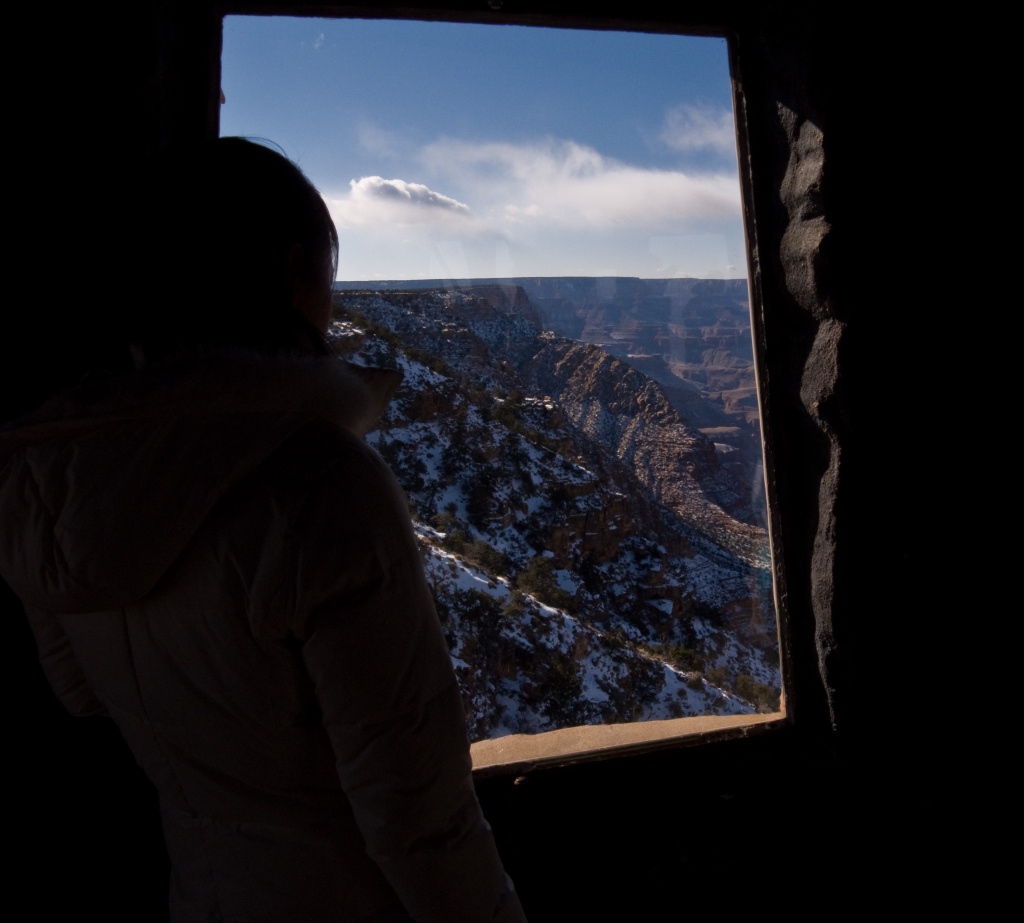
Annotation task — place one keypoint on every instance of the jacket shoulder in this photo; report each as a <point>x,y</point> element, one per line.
<point>324,518</point>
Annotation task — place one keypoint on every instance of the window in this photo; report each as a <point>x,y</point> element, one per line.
<point>543,229</point>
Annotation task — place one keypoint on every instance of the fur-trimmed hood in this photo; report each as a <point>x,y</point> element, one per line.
<point>102,488</point>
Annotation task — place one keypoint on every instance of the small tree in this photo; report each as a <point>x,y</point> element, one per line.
<point>538,579</point>
<point>560,689</point>
<point>515,606</point>
<point>486,556</point>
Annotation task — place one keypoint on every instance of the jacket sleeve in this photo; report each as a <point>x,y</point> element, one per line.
<point>60,666</point>
<point>384,680</point>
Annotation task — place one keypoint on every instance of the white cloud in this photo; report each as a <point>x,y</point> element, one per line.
<point>550,207</point>
<point>373,200</point>
<point>568,185</point>
<point>700,128</point>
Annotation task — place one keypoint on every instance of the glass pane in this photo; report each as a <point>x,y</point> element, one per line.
<point>542,229</point>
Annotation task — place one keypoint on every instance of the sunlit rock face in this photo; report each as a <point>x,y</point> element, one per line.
<point>592,557</point>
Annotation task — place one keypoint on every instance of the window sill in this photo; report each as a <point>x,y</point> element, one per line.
<point>522,752</point>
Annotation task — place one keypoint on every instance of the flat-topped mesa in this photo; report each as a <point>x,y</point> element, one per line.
<point>503,296</point>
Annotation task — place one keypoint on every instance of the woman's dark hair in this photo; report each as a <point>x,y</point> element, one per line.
<point>241,231</point>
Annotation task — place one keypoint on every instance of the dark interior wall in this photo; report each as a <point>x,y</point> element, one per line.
<point>853,792</point>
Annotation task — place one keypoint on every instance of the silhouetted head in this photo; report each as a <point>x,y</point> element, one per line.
<point>247,251</point>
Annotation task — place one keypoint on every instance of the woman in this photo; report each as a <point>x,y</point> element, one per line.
<point>210,554</point>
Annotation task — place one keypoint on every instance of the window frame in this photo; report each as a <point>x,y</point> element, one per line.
<point>805,694</point>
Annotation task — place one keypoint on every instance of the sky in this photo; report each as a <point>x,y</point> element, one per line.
<point>454,151</point>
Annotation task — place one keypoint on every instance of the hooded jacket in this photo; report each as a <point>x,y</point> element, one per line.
<point>210,554</point>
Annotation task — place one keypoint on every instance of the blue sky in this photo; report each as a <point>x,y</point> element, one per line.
<point>456,151</point>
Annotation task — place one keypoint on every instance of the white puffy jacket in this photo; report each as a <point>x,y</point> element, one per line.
<point>210,554</point>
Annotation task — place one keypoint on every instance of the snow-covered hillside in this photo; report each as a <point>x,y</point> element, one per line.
<point>580,578</point>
